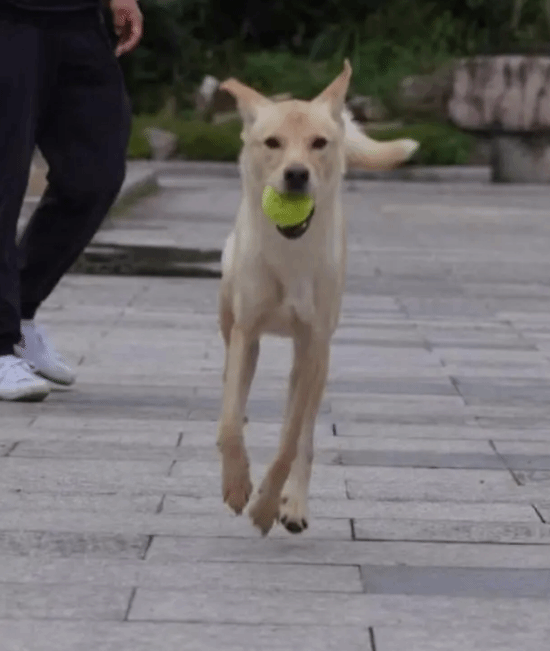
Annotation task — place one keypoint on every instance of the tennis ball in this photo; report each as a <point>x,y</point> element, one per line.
<point>286,209</point>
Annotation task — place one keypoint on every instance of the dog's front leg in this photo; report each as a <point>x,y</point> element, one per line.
<point>241,359</point>
<point>307,383</point>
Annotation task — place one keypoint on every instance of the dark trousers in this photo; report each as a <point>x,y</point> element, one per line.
<point>61,89</point>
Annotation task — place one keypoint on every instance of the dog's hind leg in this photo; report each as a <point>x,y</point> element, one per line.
<point>241,358</point>
<point>307,383</point>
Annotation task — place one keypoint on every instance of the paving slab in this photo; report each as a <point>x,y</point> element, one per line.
<point>429,511</point>
<point>489,638</point>
<point>457,582</point>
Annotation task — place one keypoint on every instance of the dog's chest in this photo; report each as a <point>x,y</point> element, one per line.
<point>298,304</point>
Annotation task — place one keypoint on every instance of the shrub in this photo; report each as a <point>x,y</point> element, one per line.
<point>440,144</point>
<point>196,140</point>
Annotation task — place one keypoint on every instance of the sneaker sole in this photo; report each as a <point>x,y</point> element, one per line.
<point>35,396</point>
<point>63,383</point>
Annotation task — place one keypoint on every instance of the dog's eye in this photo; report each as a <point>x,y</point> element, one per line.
<point>272,143</point>
<point>319,143</point>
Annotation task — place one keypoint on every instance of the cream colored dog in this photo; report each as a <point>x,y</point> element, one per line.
<point>287,282</point>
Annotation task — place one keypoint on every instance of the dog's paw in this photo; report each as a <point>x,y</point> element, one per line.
<point>265,511</point>
<point>294,513</point>
<point>236,484</point>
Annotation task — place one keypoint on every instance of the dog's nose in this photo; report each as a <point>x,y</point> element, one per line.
<point>296,178</point>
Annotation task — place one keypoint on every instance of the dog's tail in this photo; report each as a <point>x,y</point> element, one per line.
<point>366,153</point>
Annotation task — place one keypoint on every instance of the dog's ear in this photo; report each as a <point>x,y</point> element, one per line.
<point>335,94</point>
<point>248,99</point>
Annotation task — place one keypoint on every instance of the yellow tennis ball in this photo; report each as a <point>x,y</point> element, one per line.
<point>286,209</point>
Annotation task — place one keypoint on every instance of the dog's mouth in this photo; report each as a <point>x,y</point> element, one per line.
<point>296,231</point>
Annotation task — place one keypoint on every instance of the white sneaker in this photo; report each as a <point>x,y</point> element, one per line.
<point>18,382</point>
<point>36,349</point>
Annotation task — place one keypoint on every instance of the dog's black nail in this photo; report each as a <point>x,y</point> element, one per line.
<point>293,527</point>
<point>304,524</point>
<point>283,520</point>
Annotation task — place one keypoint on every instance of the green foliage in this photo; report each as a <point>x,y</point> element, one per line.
<point>196,140</point>
<point>298,46</point>
<point>440,144</point>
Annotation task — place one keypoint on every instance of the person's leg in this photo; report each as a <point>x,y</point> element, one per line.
<point>24,70</point>
<point>83,139</point>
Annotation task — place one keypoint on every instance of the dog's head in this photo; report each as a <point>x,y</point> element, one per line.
<point>294,146</point>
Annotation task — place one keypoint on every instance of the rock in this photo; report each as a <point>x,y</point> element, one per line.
<point>210,100</point>
<point>221,118</point>
<point>502,94</point>
<point>163,143</point>
<point>205,94</point>
<point>521,159</point>
<point>506,98</point>
<point>367,109</point>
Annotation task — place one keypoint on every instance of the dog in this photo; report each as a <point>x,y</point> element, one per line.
<point>287,282</point>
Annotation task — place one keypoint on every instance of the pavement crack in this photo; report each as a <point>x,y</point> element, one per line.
<point>503,461</point>
<point>160,505</point>
<point>130,604</point>
<point>539,514</point>
<point>372,639</point>
<point>12,448</point>
<point>147,547</point>
<point>348,494</point>
<point>180,439</point>
<point>352,528</point>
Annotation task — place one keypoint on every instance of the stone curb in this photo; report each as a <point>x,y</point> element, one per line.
<point>439,174</point>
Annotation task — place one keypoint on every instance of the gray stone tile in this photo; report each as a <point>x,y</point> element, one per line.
<point>399,386</point>
<point>91,503</point>
<point>520,392</point>
<point>335,610</point>
<point>25,601</point>
<point>446,307</point>
<point>527,462</point>
<point>457,582</point>
<point>475,431</point>
<point>496,637</point>
<point>436,485</point>
<point>143,636</point>
<point>311,551</point>
<point>409,459</point>
<point>127,573</point>
<point>534,478</point>
<point>48,544</point>
<point>97,450</point>
<point>52,475</point>
<point>508,532</point>
<point>127,528</point>
<point>322,507</point>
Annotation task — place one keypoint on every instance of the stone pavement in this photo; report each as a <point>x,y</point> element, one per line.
<point>431,487</point>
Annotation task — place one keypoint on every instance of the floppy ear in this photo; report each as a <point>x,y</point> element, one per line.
<point>248,99</point>
<point>335,94</point>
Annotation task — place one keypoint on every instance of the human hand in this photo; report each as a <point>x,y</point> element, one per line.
<point>128,24</point>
